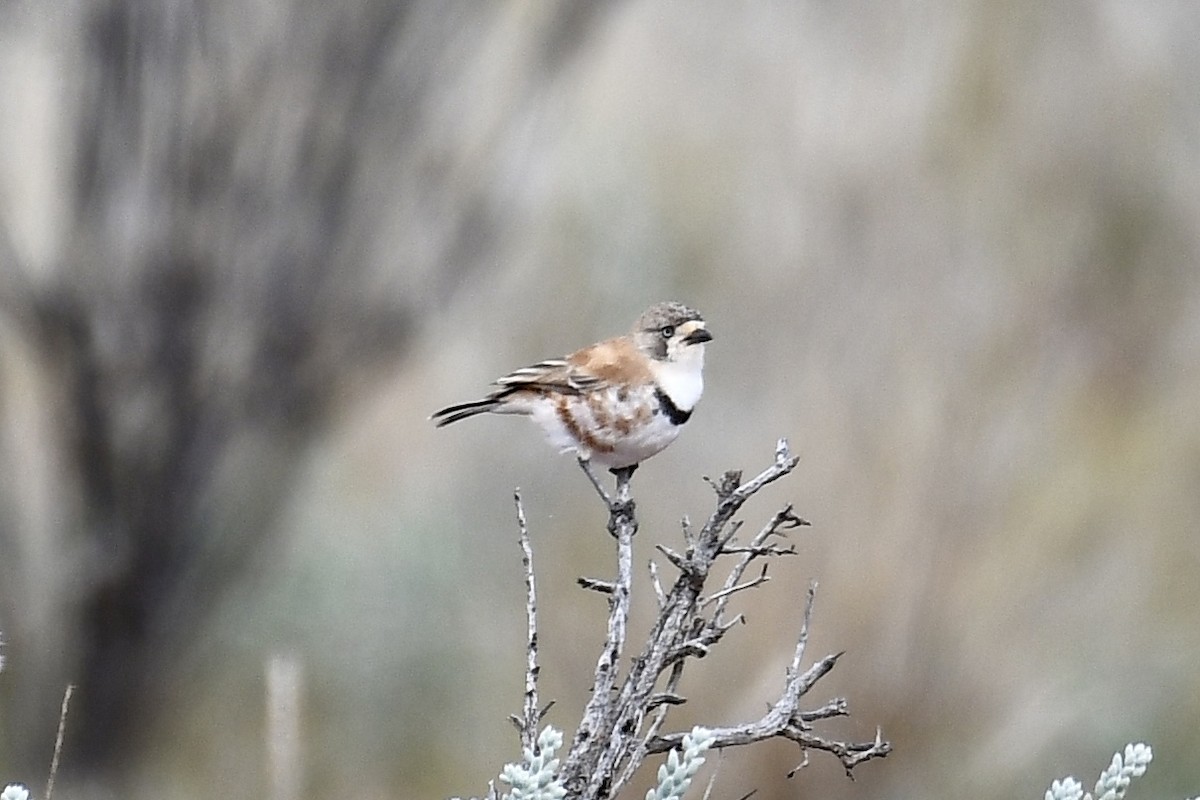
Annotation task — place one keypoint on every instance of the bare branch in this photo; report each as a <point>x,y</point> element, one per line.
<point>783,521</point>
<point>666,698</point>
<point>657,722</point>
<point>785,718</point>
<point>689,537</point>
<point>611,746</point>
<point>527,723</point>
<point>834,708</point>
<point>759,581</point>
<point>768,550</point>
<point>657,584</point>
<point>58,739</point>
<point>679,561</point>
<point>600,711</point>
<point>623,720</point>
<point>596,585</point>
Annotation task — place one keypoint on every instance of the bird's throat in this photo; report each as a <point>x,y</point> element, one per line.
<point>682,381</point>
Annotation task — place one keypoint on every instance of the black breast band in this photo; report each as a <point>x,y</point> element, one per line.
<point>674,413</point>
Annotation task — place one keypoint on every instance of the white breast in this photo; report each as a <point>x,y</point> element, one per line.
<point>682,380</point>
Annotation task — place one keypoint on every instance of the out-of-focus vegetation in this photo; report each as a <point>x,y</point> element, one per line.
<point>952,250</point>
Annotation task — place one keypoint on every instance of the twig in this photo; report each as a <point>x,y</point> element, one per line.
<point>759,552</point>
<point>679,561</point>
<point>659,718</point>
<point>530,716</point>
<point>657,584</point>
<point>785,719</point>
<point>783,520</point>
<point>596,585</point>
<point>741,587</point>
<point>58,739</point>
<point>836,707</point>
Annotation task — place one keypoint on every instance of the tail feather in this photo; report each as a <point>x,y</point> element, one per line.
<point>463,410</point>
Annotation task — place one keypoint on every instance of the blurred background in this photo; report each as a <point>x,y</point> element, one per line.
<point>949,249</point>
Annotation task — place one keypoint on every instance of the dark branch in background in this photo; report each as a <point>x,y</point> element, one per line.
<point>622,721</point>
<point>220,282</point>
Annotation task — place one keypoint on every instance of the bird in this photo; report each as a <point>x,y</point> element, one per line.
<point>617,402</point>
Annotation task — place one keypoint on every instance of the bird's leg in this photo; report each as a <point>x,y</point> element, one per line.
<point>586,466</point>
<point>621,507</point>
<point>626,471</point>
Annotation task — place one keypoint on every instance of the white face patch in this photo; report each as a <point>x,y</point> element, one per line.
<point>681,376</point>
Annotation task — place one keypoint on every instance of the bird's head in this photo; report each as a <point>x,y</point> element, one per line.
<point>672,332</point>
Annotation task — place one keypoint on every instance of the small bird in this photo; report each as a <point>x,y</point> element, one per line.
<point>617,402</point>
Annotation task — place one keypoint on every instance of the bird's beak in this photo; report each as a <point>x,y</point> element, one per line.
<point>698,336</point>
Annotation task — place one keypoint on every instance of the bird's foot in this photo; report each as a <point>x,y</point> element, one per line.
<point>621,508</point>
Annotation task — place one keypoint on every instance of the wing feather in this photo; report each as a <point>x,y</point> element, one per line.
<point>557,375</point>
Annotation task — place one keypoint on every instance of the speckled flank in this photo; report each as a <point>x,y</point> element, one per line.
<point>634,418</point>
<point>598,408</point>
<point>567,418</point>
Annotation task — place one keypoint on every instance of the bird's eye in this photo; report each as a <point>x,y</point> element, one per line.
<point>667,331</point>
